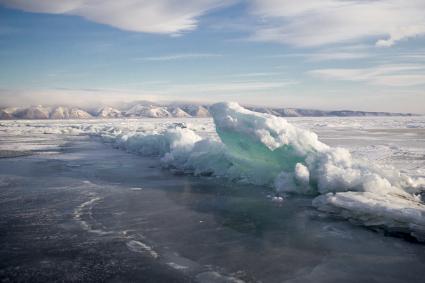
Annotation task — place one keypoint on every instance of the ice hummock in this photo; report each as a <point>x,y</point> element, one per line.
<point>300,163</point>
<point>262,145</point>
<point>264,149</point>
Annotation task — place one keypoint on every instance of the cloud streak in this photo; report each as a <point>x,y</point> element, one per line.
<point>324,56</point>
<point>183,56</point>
<point>230,87</point>
<point>314,23</point>
<point>399,75</point>
<point>159,16</point>
<point>163,91</point>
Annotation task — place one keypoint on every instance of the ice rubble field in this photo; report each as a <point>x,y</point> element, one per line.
<point>249,147</point>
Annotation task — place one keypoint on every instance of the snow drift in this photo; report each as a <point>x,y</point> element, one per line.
<point>263,149</point>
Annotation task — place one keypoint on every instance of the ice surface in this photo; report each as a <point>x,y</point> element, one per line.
<point>393,212</point>
<point>263,149</point>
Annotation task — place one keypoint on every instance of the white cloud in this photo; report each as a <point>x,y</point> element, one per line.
<point>75,97</point>
<point>324,55</point>
<point>158,16</point>
<point>315,23</point>
<point>157,91</point>
<point>411,56</point>
<point>296,22</point>
<point>257,74</point>
<point>228,87</point>
<point>401,75</point>
<point>180,56</point>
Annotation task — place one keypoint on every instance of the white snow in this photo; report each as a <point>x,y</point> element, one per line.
<point>178,112</point>
<point>139,247</point>
<point>109,112</point>
<point>148,111</point>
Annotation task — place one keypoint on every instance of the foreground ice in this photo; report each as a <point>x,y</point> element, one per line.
<point>351,188</point>
<point>262,149</point>
<point>267,150</point>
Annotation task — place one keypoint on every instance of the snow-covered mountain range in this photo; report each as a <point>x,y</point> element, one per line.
<point>153,110</point>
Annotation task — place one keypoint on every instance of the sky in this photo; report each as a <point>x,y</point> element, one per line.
<point>328,54</point>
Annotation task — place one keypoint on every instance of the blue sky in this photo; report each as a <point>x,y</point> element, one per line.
<point>331,54</point>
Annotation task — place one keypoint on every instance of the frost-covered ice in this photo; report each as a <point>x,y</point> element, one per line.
<point>249,147</point>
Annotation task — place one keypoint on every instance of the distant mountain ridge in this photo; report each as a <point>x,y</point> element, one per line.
<point>146,109</point>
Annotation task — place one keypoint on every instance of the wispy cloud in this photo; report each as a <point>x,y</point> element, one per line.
<point>229,87</point>
<point>411,56</point>
<point>165,91</point>
<point>400,75</point>
<point>183,56</point>
<point>316,23</point>
<point>256,74</point>
<point>77,97</point>
<point>159,16</point>
<point>325,56</point>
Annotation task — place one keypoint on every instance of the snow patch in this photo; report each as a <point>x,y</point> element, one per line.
<point>139,247</point>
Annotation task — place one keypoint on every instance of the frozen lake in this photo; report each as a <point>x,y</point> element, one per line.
<point>74,208</point>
